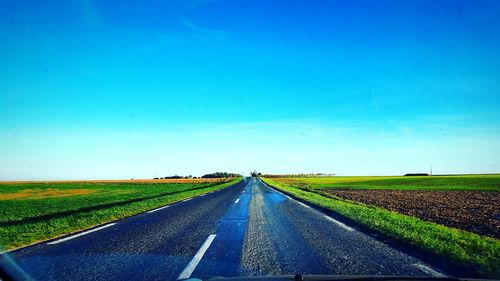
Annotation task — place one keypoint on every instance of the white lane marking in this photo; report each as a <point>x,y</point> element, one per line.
<point>304,205</point>
<point>339,223</point>
<point>428,270</point>
<point>327,217</point>
<point>186,273</point>
<point>157,209</point>
<point>154,210</point>
<point>80,234</point>
<point>237,200</point>
<point>283,194</point>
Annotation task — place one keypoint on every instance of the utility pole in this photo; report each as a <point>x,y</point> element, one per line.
<point>431,171</point>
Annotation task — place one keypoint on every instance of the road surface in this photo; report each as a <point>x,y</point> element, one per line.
<point>245,229</point>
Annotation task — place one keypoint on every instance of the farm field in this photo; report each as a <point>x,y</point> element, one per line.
<point>445,183</point>
<point>448,216</point>
<point>468,210</point>
<point>131,181</point>
<point>36,211</point>
<point>470,202</point>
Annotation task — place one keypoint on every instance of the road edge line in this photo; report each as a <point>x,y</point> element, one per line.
<point>157,209</point>
<point>429,270</point>
<point>341,224</point>
<point>80,234</point>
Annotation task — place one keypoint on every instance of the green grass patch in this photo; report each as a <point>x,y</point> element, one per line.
<point>31,212</point>
<point>462,248</point>
<point>466,182</point>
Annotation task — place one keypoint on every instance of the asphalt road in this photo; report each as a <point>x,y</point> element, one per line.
<point>245,229</point>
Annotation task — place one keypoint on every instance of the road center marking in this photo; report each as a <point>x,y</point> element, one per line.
<point>80,234</point>
<point>186,273</point>
<point>339,223</point>
<point>157,209</point>
<point>428,270</point>
<point>237,200</point>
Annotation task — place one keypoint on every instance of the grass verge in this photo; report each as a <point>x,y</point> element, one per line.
<point>27,220</point>
<point>460,248</point>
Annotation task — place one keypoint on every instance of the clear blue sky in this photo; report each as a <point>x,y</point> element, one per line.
<point>121,89</point>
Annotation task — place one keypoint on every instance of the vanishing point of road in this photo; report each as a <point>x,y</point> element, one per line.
<point>242,230</point>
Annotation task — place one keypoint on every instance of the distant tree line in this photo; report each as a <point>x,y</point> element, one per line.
<point>220,175</point>
<point>295,175</point>
<point>207,176</point>
<point>176,177</point>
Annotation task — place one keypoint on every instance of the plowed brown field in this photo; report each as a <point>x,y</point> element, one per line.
<point>474,211</point>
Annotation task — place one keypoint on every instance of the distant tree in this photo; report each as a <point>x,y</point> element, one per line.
<point>220,175</point>
<point>173,177</point>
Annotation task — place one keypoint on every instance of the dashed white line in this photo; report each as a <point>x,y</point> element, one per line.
<point>157,209</point>
<point>186,273</point>
<point>428,270</point>
<point>237,200</point>
<point>303,205</point>
<point>344,226</point>
<point>283,194</point>
<point>339,223</point>
<point>80,234</point>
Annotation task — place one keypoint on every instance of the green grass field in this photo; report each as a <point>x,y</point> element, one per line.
<point>466,182</point>
<point>31,212</point>
<point>460,247</point>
